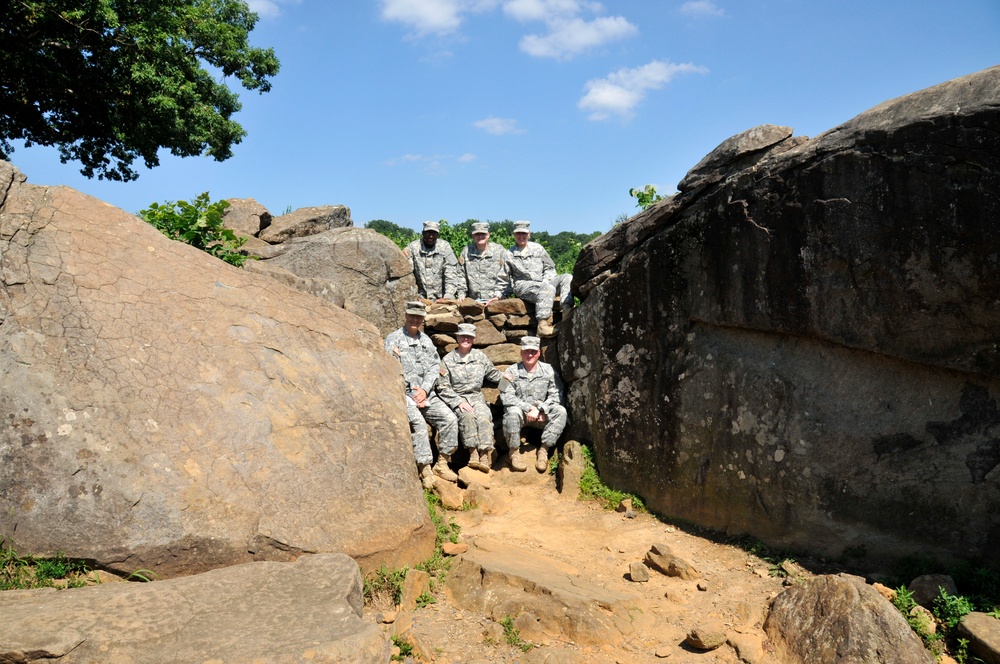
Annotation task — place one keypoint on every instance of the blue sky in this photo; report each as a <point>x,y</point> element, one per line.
<point>547,110</point>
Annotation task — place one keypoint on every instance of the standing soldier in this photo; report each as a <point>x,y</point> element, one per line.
<point>434,265</point>
<point>533,276</point>
<point>421,364</point>
<point>463,372</point>
<point>532,395</point>
<point>484,266</point>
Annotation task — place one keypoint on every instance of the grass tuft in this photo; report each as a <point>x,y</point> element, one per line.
<point>592,488</point>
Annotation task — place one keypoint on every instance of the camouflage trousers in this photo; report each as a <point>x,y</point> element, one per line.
<point>514,420</point>
<point>476,428</point>
<point>439,416</point>
<point>543,293</point>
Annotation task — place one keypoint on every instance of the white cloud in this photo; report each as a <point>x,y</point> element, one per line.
<point>701,9</point>
<point>269,8</point>
<point>498,126</point>
<point>432,16</point>
<point>570,37</point>
<point>431,163</point>
<point>544,10</point>
<point>621,91</point>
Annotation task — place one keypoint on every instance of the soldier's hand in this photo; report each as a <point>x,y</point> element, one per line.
<point>465,407</point>
<point>533,415</point>
<point>420,397</point>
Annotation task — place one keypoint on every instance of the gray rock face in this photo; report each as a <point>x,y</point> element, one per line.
<point>306,221</point>
<point>246,217</point>
<point>367,269</point>
<point>498,581</point>
<point>734,154</point>
<point>306,611</point>
<point>840,619</point>
<point>809,350</point>
<point>166,411</point>
<point>983,633</point>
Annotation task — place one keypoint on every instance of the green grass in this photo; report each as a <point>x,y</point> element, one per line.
<point>405,649</point>
<point>26,572</point>
<point>592,488</point>
<point>384,588</point>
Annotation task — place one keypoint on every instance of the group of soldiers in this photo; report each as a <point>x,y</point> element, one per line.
<point>447,394</point>
<point>486,271</point>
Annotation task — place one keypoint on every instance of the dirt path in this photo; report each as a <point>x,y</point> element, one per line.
<point>598,545</point>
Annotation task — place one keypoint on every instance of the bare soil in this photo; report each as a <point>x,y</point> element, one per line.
<point>598,545</point>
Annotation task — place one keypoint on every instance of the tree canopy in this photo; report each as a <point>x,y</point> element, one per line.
<point>107,81</point>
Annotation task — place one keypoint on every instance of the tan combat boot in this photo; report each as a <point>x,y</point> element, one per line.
<point>486,460</point>
<point>473,459</point>
<point>542,459</point>
<point>516,462</point>
<point>426,476</point>
<point>546,328</point>
<point>442,470</point>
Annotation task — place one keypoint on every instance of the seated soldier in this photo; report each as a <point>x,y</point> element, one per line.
<point>463,371</point>
<point>533,277</point>
<point>421,364</point>
<point>483,266</point>
<point>532,394</point>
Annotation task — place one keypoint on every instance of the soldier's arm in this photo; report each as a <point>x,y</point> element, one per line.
<point>445,389</point>
<point>501,285</point>
<point>508,395</point>
<point>463,275</point>
<point>491,374</point>
<point>431,359</point>
<point>548,265</point>
<point>554,394</point>
<point>453,276</point>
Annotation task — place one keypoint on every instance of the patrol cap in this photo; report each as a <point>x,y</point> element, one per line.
<point>466,330</point>
<point>480,227</point>
<point>415,308</point>
<point>530,343</point>
<point>432,226</point>
<point>522,226</point>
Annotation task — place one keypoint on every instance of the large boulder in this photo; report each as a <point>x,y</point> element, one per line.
<point>367,269</point>
<point>164,410</point>
<point>840,619</point>
<point>808,349</point>
<point>306,221</point>
<point>306,611</point>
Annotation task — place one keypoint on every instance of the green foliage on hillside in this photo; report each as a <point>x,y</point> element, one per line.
<point>563,247</point>
<point>199,224</point>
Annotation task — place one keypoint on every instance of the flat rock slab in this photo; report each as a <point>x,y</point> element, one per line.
<point>498,580</point>
<point>306,611</point>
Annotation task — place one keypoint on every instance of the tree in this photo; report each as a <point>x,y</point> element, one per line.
<point>107,81</point>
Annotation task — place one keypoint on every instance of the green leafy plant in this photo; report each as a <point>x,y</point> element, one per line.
<point>199,224</point>
<point>512,636</point>
<point>645,197</point>
<point>950,609</point>
<point>446,530</point>
<point>142,576</point>
<point>384,587</point>
<point>26,572</point>
<point>592,488</point>
<point>405,649</point>
<point>425,599</point>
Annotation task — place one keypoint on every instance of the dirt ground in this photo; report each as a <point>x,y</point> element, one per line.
<point>598,545</point>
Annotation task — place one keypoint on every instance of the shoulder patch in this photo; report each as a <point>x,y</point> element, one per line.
<point>461,259</point>
<point>443,370</point>
<point>508,375</point>
<point>406,252</point>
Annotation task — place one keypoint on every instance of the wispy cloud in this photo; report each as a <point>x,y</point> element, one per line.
<point>701,9</point>
<point>620,92</point>
<point>426,17</point>
<point>545,10</point>
<point>269,8</point>
<point>434,164</point>
<point>498,126</point>
<point>568,38</point>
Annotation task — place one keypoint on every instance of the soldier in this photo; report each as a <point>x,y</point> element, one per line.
<point>463,372</point>
<point>533,276</point>
<point>531,392</point>
<point>421,363</point>
<point>434,265</point>
<point>484,267</point>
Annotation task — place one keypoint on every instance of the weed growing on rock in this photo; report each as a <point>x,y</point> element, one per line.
<point>199,224</point>
<point>446,531</point>
<point>424,599</point>
<point>592,488</point>
<point>384,588</point>
<point>512,636</point>
<point>26,572</point>
<point>405,649</point>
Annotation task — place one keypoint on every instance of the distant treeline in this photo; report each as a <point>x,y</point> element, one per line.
<point>564,247</point>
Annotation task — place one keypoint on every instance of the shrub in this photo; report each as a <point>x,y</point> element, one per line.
<point>199,224</point>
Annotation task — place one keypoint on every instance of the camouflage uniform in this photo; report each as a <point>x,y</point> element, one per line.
<point>436,270</point>
<point>541,388</point>
<point>421,362</point>
<point>533,275</point>
<point>462,380</point>
<point>485,272</point>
